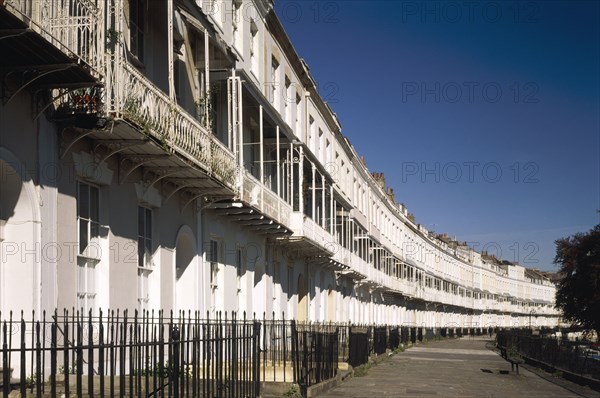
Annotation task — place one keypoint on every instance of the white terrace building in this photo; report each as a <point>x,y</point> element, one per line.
<point>177,155</point>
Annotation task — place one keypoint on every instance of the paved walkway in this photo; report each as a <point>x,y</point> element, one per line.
<point>449,368</point>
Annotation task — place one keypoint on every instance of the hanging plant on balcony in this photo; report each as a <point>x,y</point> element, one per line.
<point>229,175</point>
<point>112,37</point>
<point>132,110</point>
<point>131,107</point>
<point>206,109</point>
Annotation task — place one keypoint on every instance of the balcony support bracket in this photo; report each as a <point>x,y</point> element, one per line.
<point>130,163</point>
<point>33,79</point>
<point>114,146</point>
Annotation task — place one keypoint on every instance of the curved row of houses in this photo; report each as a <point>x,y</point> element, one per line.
<point>177,155</point>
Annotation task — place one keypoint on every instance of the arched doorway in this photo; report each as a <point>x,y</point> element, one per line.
<point>185,270</point>
<point>19,224</point>
<point>302,299</point>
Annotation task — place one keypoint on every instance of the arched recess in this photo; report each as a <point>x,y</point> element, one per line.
<point>20,237</point>
<point>186,270</point>
<point>330,304</point>
<point>302,299</point>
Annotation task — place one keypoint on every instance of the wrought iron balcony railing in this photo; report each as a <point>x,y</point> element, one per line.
<point>266,201</point>
<point>74,26</point>
<point>136,99</point>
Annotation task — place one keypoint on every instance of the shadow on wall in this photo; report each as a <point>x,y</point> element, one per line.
<point>10,191</point>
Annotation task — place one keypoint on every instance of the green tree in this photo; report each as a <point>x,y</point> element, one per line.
<point>578,292</point>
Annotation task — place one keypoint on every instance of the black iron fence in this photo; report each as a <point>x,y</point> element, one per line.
<point>315,353</point>
<point>144,355</point>
<point>150,354</point>
<point>365,340</point>
<point>176,355</point>
<point>359,346</point>
<point>300,352</point>
<point>380,343</point>
<point>577,357</point>
<point>404,335</point>
<point>393,338</point>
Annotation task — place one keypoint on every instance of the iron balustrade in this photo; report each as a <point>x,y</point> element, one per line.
<point>132,96</point>
<point>74,26</point>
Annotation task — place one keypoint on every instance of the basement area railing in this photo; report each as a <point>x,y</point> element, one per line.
<point>579,357</point>
<point>149,354</point>
<point>186,354</point>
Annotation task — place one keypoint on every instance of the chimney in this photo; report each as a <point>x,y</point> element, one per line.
<point>379,179</point>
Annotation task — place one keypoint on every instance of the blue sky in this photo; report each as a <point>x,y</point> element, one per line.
<point>484,116</point>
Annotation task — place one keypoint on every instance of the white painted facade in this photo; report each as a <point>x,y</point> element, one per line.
<point>205,173</point>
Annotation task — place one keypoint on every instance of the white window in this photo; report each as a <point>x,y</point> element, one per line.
<point>320,146</point>
<point>298,126</point>
<point>88,211</point>
<point>86,284</point>
<point>274,81</point>
<point>143,288</point>
<point>287,100</point>
<point>213,258</point>
<point>254,47</point>
<point>144,256</point>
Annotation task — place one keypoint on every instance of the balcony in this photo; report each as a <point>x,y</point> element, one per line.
<point>264,200</point>
<point>311,239</point>
<point>139,102</point>
<point>364,271</point>
<point>74,26</point>
<point>51,43</point>
<point>151,133</point>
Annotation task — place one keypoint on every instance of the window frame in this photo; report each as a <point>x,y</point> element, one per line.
<point>145,265</point>
<point>240,266</point>
<point>92,223</point>
<point>87,287</point>
<point>214,260</point>
<point>137,29</point>
<point>146,236</point>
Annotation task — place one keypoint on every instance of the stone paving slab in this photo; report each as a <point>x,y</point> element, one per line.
<point>448,368</point>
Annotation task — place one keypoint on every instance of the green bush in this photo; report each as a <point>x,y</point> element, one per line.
<point>293,392</point>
